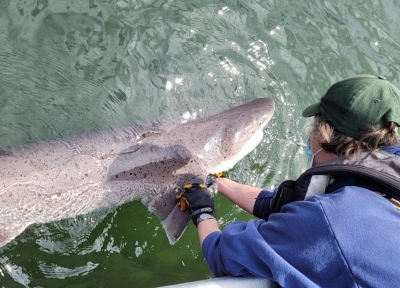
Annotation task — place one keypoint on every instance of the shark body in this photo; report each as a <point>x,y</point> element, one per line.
<point>61,178</point>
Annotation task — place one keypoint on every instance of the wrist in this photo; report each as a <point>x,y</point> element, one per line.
<point>223,185</point>
<point>202,212</point>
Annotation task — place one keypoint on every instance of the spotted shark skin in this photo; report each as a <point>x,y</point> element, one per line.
<point>50,180</point>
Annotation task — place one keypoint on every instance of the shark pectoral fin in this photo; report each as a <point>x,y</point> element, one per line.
<point>145,147</point>
<point>172,218</point>
<point>175,224</point>
<point>151,149</point>
<point>143,160</point>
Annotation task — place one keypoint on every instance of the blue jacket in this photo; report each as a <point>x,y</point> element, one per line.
<point>347,238</point>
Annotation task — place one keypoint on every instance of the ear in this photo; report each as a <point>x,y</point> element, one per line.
<point>328,129</point>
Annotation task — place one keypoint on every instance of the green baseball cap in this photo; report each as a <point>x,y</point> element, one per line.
<point>353,103</point>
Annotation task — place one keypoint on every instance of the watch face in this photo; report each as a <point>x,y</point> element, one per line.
<point>204,216</point>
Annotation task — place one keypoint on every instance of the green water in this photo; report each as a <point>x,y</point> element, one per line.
<point>74,66</point>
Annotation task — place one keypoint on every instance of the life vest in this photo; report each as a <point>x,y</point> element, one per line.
<point>377,167</point>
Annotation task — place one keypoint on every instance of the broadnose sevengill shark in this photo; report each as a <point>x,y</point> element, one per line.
<point>55,179</point>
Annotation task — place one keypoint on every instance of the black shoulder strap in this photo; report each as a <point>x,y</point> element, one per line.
<point>286,193</point>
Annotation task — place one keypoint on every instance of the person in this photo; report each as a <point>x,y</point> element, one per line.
<point>345,234</point>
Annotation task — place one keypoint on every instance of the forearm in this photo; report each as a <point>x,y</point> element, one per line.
<point>242,195</point>
<point>206,227</point>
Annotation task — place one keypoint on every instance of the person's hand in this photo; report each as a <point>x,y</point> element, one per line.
<point>210,180</point>
<point>196,199</point>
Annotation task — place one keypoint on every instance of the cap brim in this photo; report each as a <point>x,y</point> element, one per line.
<point>311,110</point>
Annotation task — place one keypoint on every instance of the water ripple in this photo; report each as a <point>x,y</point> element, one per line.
<point>75,66</point>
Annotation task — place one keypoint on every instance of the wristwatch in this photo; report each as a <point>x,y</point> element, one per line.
<point>203,217</point>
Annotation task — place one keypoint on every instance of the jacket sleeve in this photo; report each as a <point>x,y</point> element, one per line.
<point>262,206</point>
<point>279,249</point>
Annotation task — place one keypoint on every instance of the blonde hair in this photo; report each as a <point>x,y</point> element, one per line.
<point>343,145</point>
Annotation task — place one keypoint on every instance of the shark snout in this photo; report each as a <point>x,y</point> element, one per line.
<point>254,115</point>
<point>266,111</point>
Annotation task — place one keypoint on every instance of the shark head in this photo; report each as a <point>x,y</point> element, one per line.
<point>216,144</point>
<point>236,133</point>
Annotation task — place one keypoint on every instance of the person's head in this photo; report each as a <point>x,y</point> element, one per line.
<point>358,114</point>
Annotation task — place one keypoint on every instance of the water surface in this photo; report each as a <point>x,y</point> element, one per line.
<point>76,66</point>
